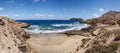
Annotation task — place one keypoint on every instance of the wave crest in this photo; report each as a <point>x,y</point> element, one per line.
<point>69,25</point>
<point>37,28</point>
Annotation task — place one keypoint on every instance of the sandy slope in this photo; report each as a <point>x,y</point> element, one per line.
<point>56,43</point>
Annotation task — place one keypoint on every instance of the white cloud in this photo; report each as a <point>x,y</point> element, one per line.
<point>39,15</point>
<point>61,16</point>
<point>51,15</point>
<point>44,15</point>
<point>96,15</point>
<point>1,8</point>
<point>101,10</point>
<point>15,14</point>
<point>6,15</point>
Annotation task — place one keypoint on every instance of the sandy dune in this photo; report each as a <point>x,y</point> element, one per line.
<point>55,43</point>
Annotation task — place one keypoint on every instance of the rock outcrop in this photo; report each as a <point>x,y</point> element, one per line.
<point>13,37</point>
<point>111,17</point>
<point>103,36</point>
<point>79,19</point>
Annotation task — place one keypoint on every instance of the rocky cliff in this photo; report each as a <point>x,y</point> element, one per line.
<point>111,17</point>
<point>13,37</point>
<point>103,36</point>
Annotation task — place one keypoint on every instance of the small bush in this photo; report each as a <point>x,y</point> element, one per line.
<point>118,22</point>
<point>96,49</point>
<point>117,38</point>
<point>27,36</point>
<point>111,48</point>
<point>96,42</point>
<point>85,40</point>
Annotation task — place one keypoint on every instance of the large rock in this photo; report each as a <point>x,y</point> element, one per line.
<point>12,37</point>
<point>79,19</point>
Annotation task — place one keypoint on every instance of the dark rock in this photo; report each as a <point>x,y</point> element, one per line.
<point>79,19</point>
<point>1,22</point>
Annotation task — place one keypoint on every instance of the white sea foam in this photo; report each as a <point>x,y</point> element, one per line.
<point>59,25</point>
<point>37,30</point>
<point>69,25</point>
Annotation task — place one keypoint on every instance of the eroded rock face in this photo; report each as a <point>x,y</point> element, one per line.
<point>103,36</point>
<point>6,21</point>
<point>12,38</point>
<point>111,17</point>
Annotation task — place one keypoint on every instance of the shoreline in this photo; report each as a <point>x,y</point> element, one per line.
<point>60,31</point>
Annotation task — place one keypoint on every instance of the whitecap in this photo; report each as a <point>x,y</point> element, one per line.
<point>69,25</point>
<point>37,30</point>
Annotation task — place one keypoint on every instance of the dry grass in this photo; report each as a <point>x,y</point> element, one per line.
<point>98,48</point>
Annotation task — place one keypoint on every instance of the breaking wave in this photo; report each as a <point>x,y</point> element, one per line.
<point>40,29</point>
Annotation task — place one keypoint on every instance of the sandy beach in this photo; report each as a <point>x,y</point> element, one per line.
<point>54,43</point>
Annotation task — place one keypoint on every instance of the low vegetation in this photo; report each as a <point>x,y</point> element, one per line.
<point>98,48</point>
<point>27,36</point>
<point>85,40</point>
<point>117,38</point>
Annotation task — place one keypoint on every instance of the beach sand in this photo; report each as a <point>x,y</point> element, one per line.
<point>54,43</point>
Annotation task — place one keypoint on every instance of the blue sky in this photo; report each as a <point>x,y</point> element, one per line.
<point>56,9</point>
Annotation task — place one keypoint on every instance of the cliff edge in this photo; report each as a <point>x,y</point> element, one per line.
<point>103,36</point>
<point>13,37</point>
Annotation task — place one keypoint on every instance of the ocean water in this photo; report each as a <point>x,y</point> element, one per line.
<point>53,26</point>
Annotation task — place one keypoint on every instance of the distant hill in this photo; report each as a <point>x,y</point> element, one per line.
<point>79,19</point>
<point>111,17</point>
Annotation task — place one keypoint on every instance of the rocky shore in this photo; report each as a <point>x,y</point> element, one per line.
<point>13,37</point>
<point>103,36</point>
